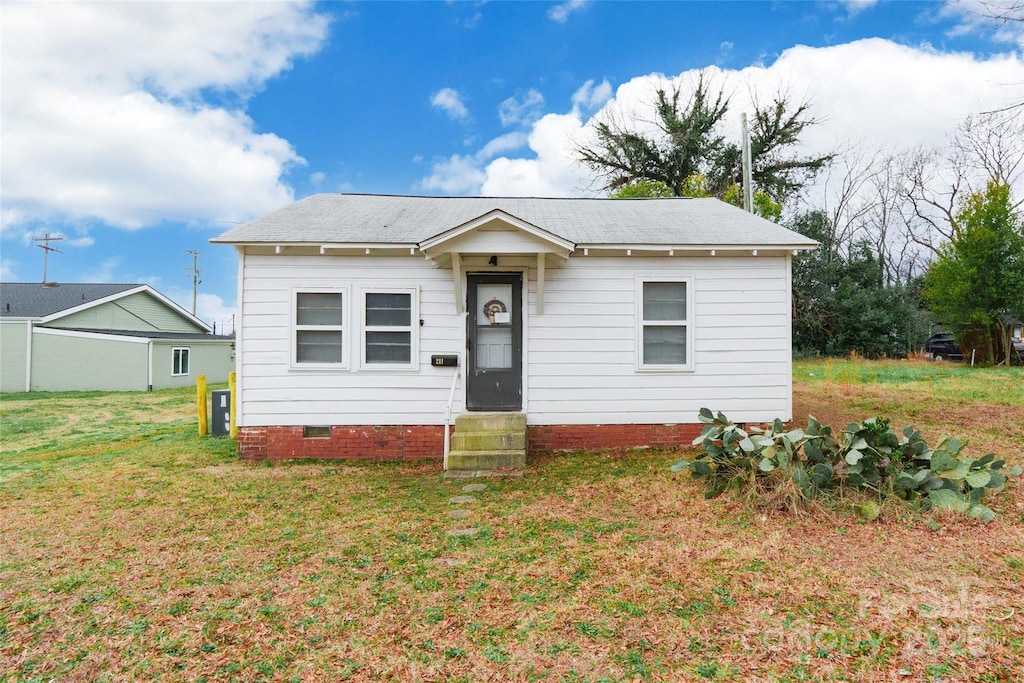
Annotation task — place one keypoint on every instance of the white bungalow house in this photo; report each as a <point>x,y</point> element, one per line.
<point>366,320</point>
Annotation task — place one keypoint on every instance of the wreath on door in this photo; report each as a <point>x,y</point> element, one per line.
<point>493,307</point>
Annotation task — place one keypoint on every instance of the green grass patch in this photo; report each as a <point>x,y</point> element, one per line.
<point>136,549</point>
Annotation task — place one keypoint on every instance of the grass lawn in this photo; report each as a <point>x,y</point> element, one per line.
<point>130,548</point>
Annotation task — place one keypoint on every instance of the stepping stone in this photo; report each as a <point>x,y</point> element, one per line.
<point>449,561</point>
<point>474,488</point>
<point>463,532</point>
<point>461,500</point>
<point>459,514</point>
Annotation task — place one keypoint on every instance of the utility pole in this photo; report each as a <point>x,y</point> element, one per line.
<point>748,189</point>
<point>45,246</point>
<point>195,273</point>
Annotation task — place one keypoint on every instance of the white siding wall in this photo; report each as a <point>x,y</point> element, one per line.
<point>580,355</point>
<point>274,393</point>
<point>583,351</point>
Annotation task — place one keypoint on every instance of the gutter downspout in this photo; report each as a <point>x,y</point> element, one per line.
<point>149,373</point>
<point>28,356</point>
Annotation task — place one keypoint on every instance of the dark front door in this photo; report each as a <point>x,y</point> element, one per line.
<point>494,341</point>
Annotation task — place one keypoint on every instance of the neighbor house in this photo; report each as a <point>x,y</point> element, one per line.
<point>365,320</point>
<point>107,337</point>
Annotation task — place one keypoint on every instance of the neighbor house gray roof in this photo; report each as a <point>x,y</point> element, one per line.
<point>154,334</point>
<point>37,300</point>
<point>387,219</point>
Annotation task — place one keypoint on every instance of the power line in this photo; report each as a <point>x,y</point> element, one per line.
<point>46,239</point>
<point>195,272</point>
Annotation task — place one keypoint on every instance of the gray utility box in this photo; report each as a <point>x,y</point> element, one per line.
<point>220,425</point>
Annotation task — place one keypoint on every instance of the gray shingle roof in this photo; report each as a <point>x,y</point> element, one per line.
<point>377,219</point>
<point>153,334</point>
<point>36,300</point>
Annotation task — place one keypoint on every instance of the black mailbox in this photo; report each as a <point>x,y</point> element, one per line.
<point>446,361</point>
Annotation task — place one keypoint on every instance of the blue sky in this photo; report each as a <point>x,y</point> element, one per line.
<point>138,131</point>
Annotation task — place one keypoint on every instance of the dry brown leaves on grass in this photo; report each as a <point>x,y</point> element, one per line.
<point>172,561</point>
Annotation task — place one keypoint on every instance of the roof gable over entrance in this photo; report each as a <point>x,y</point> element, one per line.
<point>497,232</point>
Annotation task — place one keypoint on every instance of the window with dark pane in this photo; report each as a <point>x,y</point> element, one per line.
<point>319,308</point>
<point>388,327</point>
<point>318,346</point>
<point>179,361</point>
<point>664,301</point>
<point>319,327</point>
<point>389,310</point>
<point>664,323</point>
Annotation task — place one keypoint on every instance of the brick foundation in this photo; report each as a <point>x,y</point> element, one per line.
<point>389,442</point>
<point>396,442</point>
<point>549,438</point>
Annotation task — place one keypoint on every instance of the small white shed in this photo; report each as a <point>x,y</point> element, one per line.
<point>366,320</point>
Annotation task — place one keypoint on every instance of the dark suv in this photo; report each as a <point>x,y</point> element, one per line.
<point>942,345</point>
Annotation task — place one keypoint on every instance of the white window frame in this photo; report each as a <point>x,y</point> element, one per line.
<point>294,328</point>
<point>176,355</point>
<point>413,328</point>
<point>688,324</point>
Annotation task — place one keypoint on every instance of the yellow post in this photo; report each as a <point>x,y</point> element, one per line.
<point>233,429</point>
<point>201,405</point>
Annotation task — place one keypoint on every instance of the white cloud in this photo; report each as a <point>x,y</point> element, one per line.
<point>104,116</point>
<point>210,308</point>
<point>103,272</point>
<point>317,178</point>
<point>589,97</point>
<point>83,241</point>
<point>459,174</point>
<point>1000,18</point>
<point>552,173</point>
<point>449,101</point>
<point>855,7</point>
<point>502,143</point>
<point>521,110</point>
<point>8,269</point>
<point>463,173</point>
<point>873,91</point>
<point>561,12</point>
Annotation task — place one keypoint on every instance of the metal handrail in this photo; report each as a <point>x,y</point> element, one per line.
<point>448,415</point>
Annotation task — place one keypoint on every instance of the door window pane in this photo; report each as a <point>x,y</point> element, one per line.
<point>494,304</point>
<point>494,348</point>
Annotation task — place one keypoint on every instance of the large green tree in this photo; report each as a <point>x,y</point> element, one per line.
<point>976,285</point>
<point>841,302</point>
<point>688,142</point>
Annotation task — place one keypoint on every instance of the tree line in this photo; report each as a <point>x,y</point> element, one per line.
<point>907,238</point>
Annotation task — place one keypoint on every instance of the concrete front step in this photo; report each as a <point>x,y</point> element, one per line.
<point>490,422</point>
<point>486,460</point>
<point>489,441</point>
